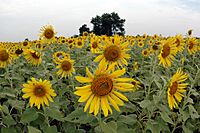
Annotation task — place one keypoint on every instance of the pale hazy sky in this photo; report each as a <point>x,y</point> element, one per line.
<point>20,19</point>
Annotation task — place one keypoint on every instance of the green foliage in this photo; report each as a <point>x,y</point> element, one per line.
<point>146,111</point>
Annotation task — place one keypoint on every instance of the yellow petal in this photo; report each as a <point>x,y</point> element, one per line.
<point>96,109</point>
<point>103,106</point>
<point>83,79</point>
<point>118,73</point>
<point>84,97</point>
<point>98,58</point>
<point>114,104</point>
<point>123,79</point>
<point>27,95</point>
<point>88,102</point>
<point>117,100</point>
<point>120,95</point>
<point>89,74</point>
<point>92,105</point>
<point>84,87</point>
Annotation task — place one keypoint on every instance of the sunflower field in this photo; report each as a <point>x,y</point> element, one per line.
<point>101,84</point>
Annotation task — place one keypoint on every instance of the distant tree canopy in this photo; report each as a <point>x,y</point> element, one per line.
<point>108,24</point>
<point>83,28</point>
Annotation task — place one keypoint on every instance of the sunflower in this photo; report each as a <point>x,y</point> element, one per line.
<point>33,56</point>
<point>59,56</point>
<point>26,44</point>
<point>5,57</point>
<point>136,84</point>
<point>145,52</point>
<point>65,67</point>
<point>192,45</point>
<point>176,88</point>
<point>168,51</point>
<point>114,52</point>
<point>140,44</point>
<point>95,44</point>
<point>179,43</point>
<point>103,87</point>
<point>38,92</point>
<point>79,42</point>
<point>47,34</point>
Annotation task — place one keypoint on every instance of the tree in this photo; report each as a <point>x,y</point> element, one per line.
<point>84,28</point>
<point>108,24</point>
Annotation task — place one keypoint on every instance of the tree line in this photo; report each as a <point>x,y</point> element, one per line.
<point>106,24</point>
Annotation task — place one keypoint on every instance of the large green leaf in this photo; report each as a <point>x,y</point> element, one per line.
<point>54,113</point>
<point>78,116</point>
<point>106,128</point>
<point>33,130</point>
<point>8,120</point>
<point>166,117</point>
<point>29,115</point>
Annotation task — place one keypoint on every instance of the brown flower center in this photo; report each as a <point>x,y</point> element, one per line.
<point>94,45</point>
<point>48,33</point>
<point>35,55</point>
<point>155,47</point>
<point>165,51</point>
<point>39,91</point>
<point>79,43</point>
<point>178,42</point>
<point>112,53</point>
<point>66,65</point>
<point>18,51</point>
<point>4,55</point>
<point>102,85</point>
<point>173,88</point>
<point>25,43</point>
<point>191,44</point>
<point>145,53</point>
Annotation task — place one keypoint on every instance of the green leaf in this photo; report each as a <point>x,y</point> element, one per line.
<point>8,130</point>
<point>52,129</point>
<point>153,126</point>
<point>33,130</point>
<point>106,128</point>
<point>128,119</point>
<point>78,116</point>
<point>193,113</point>
<point>29,115</point>
<point>123,128</point>
<point>8,120</point>
<point>166,118</point>
<point>4,108</point>
<point>145,103</point>
<point>54,113</point>
<point>186,130</point>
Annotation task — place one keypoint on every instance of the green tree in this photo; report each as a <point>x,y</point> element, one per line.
<point>83,28</point>
<point>108,24</point>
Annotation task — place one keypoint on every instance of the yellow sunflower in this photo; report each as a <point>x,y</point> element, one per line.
<point>140,44</point>
<point>33,56</point>
<point>136,84</point>
<point>176,89</point>
<point>79,42</point>
<point>114,52</point>
<point>95,44</point>
<point>59,56</point>
<point>38,92</point>
<point>103,89</point>
<point>5,57</point>
<point>47,34</point>
<point>145,52</point>
<point>179,43</point>
<point>66,67</point>
<point>192,45</point>
<point>167,53</point>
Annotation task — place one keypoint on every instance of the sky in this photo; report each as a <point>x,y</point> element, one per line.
<point>20,19</point>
